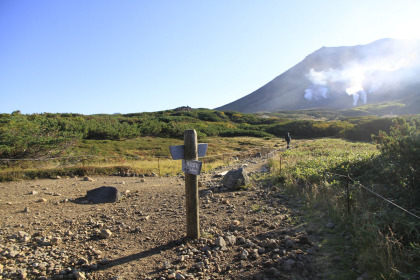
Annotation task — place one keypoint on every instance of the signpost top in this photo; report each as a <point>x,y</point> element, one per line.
<point>177,152</point>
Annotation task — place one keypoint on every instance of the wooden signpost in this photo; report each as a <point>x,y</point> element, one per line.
<point>189,153</point>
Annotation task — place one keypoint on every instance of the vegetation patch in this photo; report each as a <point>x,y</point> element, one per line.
<point>329,174</point>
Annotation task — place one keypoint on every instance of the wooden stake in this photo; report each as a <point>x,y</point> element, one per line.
<point>191,185</point>
<point>280,164</point>
<point>348,194</point>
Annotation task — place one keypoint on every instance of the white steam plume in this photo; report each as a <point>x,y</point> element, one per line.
<point>355,76</point>
<point>316,93</point>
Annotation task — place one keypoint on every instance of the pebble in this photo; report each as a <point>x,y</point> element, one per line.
<point>79,275</point>
<point>236,223</point>
<point>289,243</point>
<point>244,255</point>
<point>220,242</point>
<point>106,233</point>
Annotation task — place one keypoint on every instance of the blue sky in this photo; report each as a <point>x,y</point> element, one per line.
<point>103,56</point>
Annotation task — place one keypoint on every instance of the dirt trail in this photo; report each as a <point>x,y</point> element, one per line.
<point>47,232</point>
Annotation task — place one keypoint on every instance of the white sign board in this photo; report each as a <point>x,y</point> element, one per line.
<point>191,166</point>
<point>177,152</point>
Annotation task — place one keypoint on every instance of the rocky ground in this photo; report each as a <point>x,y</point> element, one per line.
<point>48,231</point>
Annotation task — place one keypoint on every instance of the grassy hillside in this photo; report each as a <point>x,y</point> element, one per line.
<point>52,135</point>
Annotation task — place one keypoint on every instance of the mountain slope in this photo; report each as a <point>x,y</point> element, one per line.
<point>339,78</point>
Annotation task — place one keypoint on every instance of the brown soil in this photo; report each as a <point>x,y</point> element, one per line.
<point>148,241</point>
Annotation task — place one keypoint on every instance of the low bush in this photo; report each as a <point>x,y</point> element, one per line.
<point>386,237</point>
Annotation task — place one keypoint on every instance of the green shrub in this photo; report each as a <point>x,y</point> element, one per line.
<point>401,150</point>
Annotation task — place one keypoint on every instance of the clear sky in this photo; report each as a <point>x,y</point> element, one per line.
<point>109,56</point>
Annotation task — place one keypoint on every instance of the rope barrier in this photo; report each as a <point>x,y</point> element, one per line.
<point>387,200</point>
<point>378,195</point>
<point>132,157</point>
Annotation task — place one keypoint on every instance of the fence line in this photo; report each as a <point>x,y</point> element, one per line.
<point>129,157</point>
<point>77,160</point>
<point>376,194</point>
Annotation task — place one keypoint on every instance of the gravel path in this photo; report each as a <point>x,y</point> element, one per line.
<point>49,232</point>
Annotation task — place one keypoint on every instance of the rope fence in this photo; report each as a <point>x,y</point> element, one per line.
<point>83,160</point>
<point>348,178</point>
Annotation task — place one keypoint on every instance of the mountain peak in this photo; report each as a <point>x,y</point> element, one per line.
<point>340,77</point>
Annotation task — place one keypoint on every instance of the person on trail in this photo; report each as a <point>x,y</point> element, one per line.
<point>288,138</point>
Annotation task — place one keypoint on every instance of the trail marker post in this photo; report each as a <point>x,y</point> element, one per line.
<point>189,153</point>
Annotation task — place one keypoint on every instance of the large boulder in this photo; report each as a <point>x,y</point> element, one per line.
<point>103,195</point>
<point>235,179</point>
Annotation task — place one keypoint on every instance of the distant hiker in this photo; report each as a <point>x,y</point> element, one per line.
<point>288,138</point>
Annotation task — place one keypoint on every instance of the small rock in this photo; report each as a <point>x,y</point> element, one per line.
<point>104,261</point>
<point>103,194</point>
<point>79,275</point>
<point>289,243</point>
<point>244,255</point>
<point>236,223</point>
<point>199,265</point>
<point>56,240</point>
<point>220,242</point>
<point>230,239</point>
<point>167,265</point>
<point>82,261</point>
<point>88,179</point>
<point>207,193</point>
<point>24,236</point>
<point>225,201</point>
<point>206,248</point>
<point>22,273</point>
<point>182,258</point>
<point>171,275</point>
<point>106,233</point>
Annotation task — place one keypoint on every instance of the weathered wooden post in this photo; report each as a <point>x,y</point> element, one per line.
<point>280,165</point>
<point>159,166</point>
<point>189,153</point>
<point>84,168</point>
<point>191,185</point>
